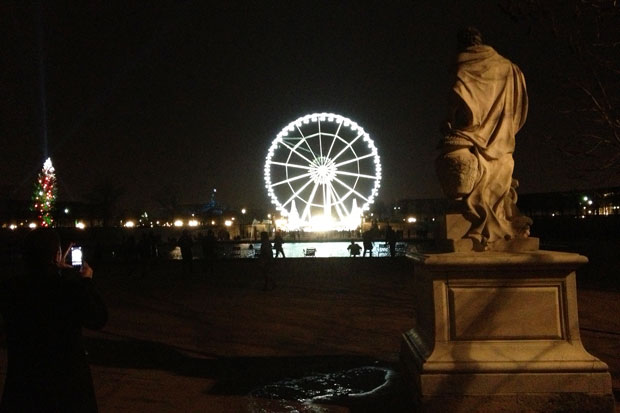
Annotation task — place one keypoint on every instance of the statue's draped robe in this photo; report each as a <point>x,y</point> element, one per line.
<point>490,106</point>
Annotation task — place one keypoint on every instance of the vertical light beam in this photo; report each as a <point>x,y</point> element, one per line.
<point>42,80</point>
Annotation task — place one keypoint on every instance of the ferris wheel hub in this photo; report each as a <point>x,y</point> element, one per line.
<point>322,170</point>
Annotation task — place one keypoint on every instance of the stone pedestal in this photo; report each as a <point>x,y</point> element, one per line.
<point>498,331</point>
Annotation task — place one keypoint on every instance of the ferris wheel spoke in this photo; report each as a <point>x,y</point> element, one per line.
<point>351,189</point>
<point>347,147</point>
<point>356,175</point>
<point>294,150</point>
<point>292,138</point>
<point>306,142</point>
<point>285,181</point>
<point>309,202</point>
<point>353,160</point>
<point>305,150</point>
<point>295,144</point>
<point>291,165</point>
<point>296,193</point>
<point>334,140</point>
<point>320,139</point>
<point>339,205</point>
<point>341,199</point>
<point>326,202</point>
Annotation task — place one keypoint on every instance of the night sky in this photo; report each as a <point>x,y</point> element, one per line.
<point>188,95</point>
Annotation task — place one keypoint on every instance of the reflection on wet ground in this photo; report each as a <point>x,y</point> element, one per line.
<point>346,387</point>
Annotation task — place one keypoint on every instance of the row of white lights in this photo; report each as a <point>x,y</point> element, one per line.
<point>33,225</point>
<point>127,224</point>
<point>177,223</point>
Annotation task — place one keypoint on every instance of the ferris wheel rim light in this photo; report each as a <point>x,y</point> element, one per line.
<point>321,166</point>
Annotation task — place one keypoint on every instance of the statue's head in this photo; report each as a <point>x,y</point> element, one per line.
<point>469,36</point>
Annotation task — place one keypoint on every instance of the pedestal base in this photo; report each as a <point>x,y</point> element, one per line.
<point>499,332</point>
<point>522,402</point>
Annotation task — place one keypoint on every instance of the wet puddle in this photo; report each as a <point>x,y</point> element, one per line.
<point>307,394</point>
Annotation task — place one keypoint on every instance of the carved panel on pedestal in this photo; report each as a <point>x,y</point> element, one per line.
<point>526,312</point>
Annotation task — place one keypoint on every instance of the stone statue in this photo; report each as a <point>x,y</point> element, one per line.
<point>488,106</point>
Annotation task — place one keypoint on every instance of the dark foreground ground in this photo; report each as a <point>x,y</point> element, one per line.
<point>326,339</point>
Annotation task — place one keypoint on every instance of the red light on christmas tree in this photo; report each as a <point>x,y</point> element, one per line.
<point>44,195</point>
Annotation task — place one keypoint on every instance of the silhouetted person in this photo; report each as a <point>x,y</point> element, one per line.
<point>44,310</point>
<point>154,242</point>
<point>209,246</point>
<point>186,243</point>
<point>145,251</point>
<point>277,244</point>
<point>354,249</point>
<point>266,260</point>
<point>367,242</point>
<point>130,253</point>
<point>390,239</point>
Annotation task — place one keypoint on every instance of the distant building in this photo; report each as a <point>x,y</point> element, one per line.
<point>577,203</point>
<point>212,208</point>
<point>601,202</point>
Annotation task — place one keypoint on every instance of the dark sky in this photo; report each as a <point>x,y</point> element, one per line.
<point>190,94</point>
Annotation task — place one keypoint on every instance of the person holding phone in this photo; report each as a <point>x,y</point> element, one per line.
<point>44,311</point>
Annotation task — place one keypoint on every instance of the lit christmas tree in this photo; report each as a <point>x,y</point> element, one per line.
<point>44,194</point>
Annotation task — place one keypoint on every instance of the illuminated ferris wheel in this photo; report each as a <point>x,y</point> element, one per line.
<point>322,171</point>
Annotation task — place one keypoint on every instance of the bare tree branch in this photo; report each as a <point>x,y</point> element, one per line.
<point>587,106</point>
